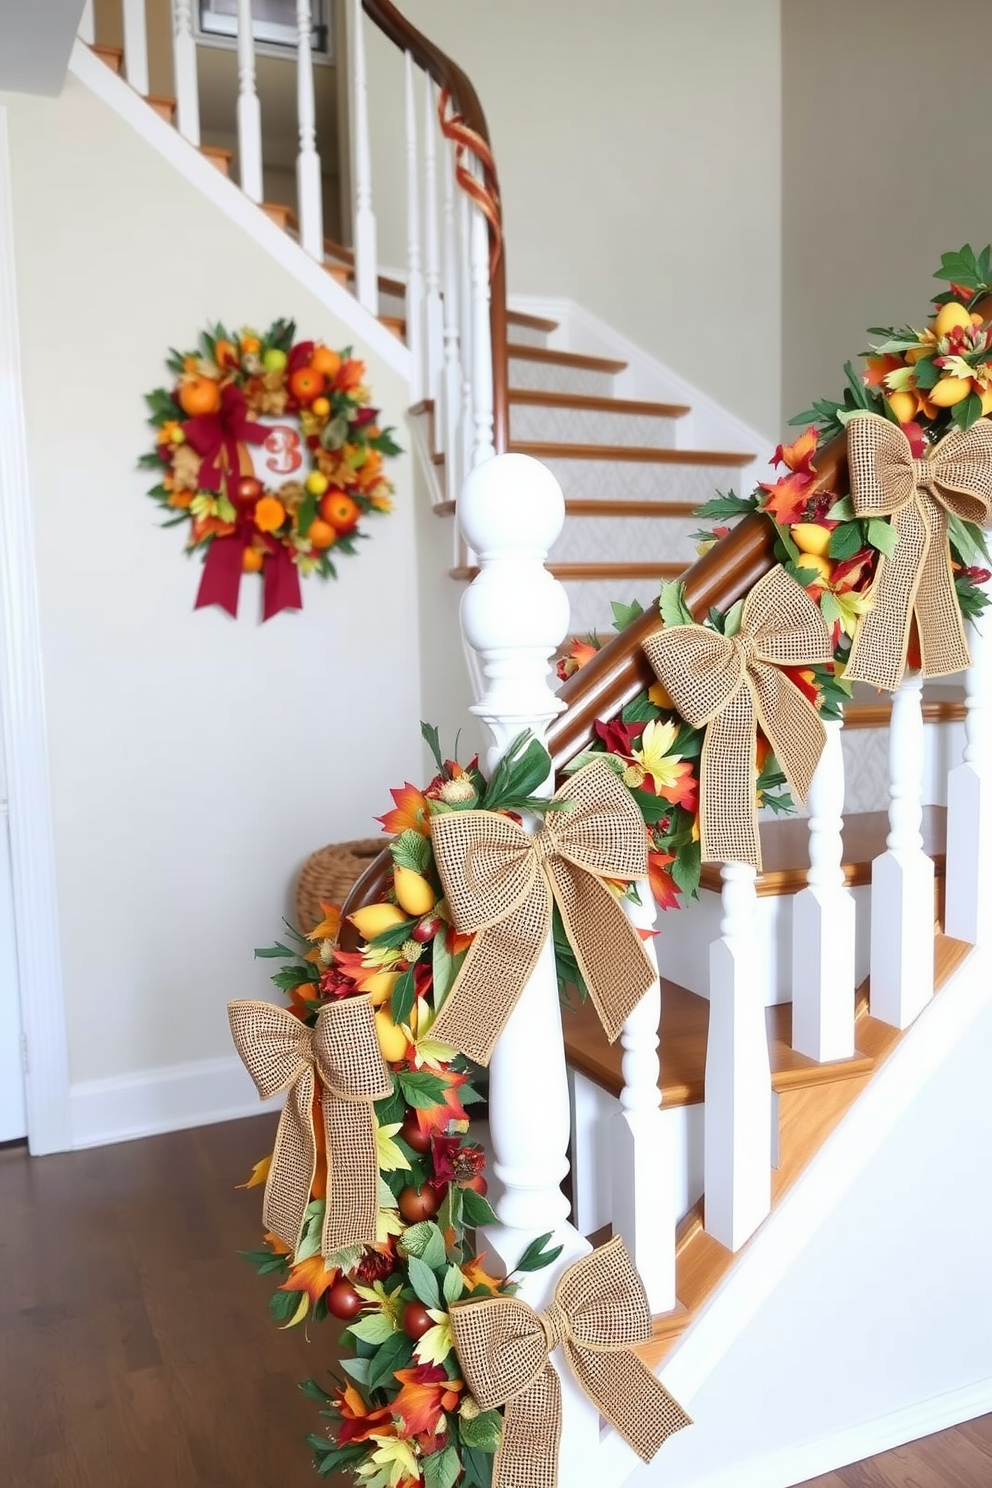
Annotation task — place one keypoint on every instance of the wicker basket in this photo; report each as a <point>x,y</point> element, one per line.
<point>328,875</point>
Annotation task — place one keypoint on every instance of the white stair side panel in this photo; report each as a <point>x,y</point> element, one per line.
<point>591,426</point>
<point>553,377</point>
<point>522,335</point>
<point>637,480</point>
<point>589,600</point>
<point>627,540</point>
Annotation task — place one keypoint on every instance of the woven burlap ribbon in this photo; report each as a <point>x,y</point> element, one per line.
<point>500,885</point>
<point>730,684</point>
<point>342,1051</point>
<point>886,480</point>
<point>599,1311</point>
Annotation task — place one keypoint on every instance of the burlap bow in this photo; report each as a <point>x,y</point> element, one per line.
<point>728,685</point>
<point>500,884</point>
<point>886,480</point>
<point>342,1051</point>
<point>504,1347</point>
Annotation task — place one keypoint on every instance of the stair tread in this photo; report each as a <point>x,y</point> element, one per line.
<point>580,507</point>
<point>346,256</point>
<point>653,454</point>
<point>596,571</point>
<point>576,359</point>
<point>532,322</point>
<point>785,850</point>
<point>597,403</point>
<point>943,702</point>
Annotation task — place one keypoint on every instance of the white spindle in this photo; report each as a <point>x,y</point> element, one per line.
<point>969,806</point>
<point>737,1151</point>
<point>136,45</point>
<point>433,311</point>
<point>414,275</point>
<point>450,421</point>
<point>87,24</point>
<point>466,419</point>
<point>184,70</point>
<point>823,922</point>
<point>643,1143</point>
<point>902,907</point>
<point>366,252</point>
<point>309,193</point>
<point>249,108</point>
<point>483,447</point>
<point>515,615</point>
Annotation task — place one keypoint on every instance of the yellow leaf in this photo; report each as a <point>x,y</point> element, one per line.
<point>301,1313</point>
<point>391,1158</point>
<point>437,1343</point>
<point>259,1173</point>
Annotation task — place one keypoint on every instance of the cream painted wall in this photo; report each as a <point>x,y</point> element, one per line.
<point>639,149</point>
<point>195,760</point>
<point>884,169</point>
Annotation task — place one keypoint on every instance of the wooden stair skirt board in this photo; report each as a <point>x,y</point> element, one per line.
<point>568,571</point>
<point>810,1107</point>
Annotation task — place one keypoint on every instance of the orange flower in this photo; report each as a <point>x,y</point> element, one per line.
<point>311,1276</point>
<point>181,500</point>
<point>350,375</point>
<point>476,1276</point>
<point>878,368</point>
<point>661,881</point>
<point>576,657</point>
<point>359,1421</point>
<point>409,813</point>
<point>438,1118</point>
<point>277,1246</point>
<point>210,527</point>
<point>329,926</point>
<point>787,498</point>
<point>269,514</point>
<point>259,1173</point>
<point>426,1394</point>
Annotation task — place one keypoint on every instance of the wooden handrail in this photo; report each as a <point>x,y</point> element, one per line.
<point>449,76</point>
<point>620,670</point>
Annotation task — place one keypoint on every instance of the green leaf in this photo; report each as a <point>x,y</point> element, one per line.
<point>727,504</point>
<point>375,1327</point>
<point>424,1282</point>
<point>403,997</point>
<point>524,767</point>
<point>967,411</point>
<point>842,510</point>
<point>441,1469</point>
<point>395,1354</point>
<point>306,513</point>
<point>478,1467</point>
<point>313,1391</point>
<point>686,869</point>
<point>478,1211</point>
<point>792,553</point>
<point>671,603</point>
<point>412,850</point>
<point>395,935</point>
<point>425,1241</point>
<point>484,1431</point>
<point>829,608</point>
<point>453,1285</point>
<point>275,951</point>
<point>732,619</point>
<point>535,1257</point>
<point>882,535</point>
<point>625,614</point>
<point>431,738</point>
<point>968,540</point>
<point>845,541</point>
<point>449,1216</point>
<point>419,1088</point>
<point>282,1305</point>
<point>357,1369</point>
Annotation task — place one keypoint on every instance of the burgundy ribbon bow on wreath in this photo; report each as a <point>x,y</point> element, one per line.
<point>215,438</point>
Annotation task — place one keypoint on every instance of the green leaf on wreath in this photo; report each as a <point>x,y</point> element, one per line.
<point>424,1282</point>
<point>441,1469</point>
<point>845,541</point>
<point>686,869</point>
<point>536,1257</point>
<point>411,849</point>
<point>671,603</point>
<point>453,1285</point>
<point>425,1241</point>
<point>882,535</point>
<point>477,1210</point>
<point>625,614</point>
<point>313,1391</point>
<point>305,513</point>
<point>358,1369</point>
<point>395,1353</point>
<point>727,504</point>
<point>419,1088</point>
<point>375,1327</point>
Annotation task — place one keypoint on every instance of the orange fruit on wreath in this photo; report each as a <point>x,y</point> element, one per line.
<point>321,533</point>
<point>252,560</point>
<point>325,361</point>
<point>269,514</point>
<point>226,354</point>
<point>305,384</point>
<point>199,396</point>
<point>340,511</point>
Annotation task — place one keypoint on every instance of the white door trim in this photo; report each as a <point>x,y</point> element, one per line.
<point>22,708</point>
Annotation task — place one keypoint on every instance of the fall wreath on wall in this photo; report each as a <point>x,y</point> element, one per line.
<point>269,451</point>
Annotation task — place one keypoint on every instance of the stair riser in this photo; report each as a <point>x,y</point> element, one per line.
<point>589,600</point>
<point>866,764</point>
<point>551,377</point>
<point>626,540</point>
<point>522,335</point>
<point>636,480</point>
<point>532,421</point>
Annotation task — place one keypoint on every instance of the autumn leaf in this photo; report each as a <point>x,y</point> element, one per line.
<point>391,1157</point>
<point>437,1343</point>
<point>662,883</point>
<point>410,812</point>
<point>312,1276</point>
<point>426,1394</point>
<point>259,1173</point>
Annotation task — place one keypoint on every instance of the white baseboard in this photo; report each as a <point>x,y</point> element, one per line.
<point>798,1464</point>
<point>170,1098</point>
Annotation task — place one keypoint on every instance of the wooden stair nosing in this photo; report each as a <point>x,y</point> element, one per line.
<point>219,156</point>
<point>394,323</point>
<point>112,56</point>
<point>282,215</point>
<point>520,353</point>
<point>566,571</point>
<point>701,1261</point>
<point>879,715</point>
<point>654,455</point>
<point>597,403</point>
<point>583,508</point>
<point>164,106</point>
<point>531,322</point>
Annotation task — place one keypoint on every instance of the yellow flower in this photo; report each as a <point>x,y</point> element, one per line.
<point>392,1463</point>
<point>654,754</point>
<point>391,1158</point>
<point>437,1343</point>
<point>852,606</point>
<point>389,1303</point>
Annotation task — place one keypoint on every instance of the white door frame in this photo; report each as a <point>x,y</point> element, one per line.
<point>22,709</point>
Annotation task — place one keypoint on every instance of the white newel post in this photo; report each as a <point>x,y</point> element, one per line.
<point>136,45</point>
<point>737,1148</point>
<point>433,312</point>
<point>515,615</point>
<point>184,69</point>
<point>309,188</point>
<point>483,447</point>
<point>902,906</point>
<point>249,108</point>
<point>823,922</point>
<point>968,883</point>
<point>87,24</point>
<point>414,275</point>
<point>450,421</point>
<point>642,1142</point>
<point>366,251</point>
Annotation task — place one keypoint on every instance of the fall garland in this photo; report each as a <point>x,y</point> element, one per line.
<point>306,411</point>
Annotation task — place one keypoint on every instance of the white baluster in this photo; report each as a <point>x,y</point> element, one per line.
<point>465,418</point>
<point>902,907</point>
<point>643,1143</point>
<point>136,45</point>
<point>515,615</point>
<point>968,885</point>
<point>483,447</point>
<point>309,191</point>
<point>414,276</point>
<point>87,24</point>
<point>823,922</point>
<point>433,311</point>
<point>249,108</point>
<point>184,71</point>
<point>450,421</point>
<point>738,1115</point>
<point>366,252</point>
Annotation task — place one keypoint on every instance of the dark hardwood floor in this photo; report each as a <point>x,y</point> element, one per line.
<point>136,1349</point>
